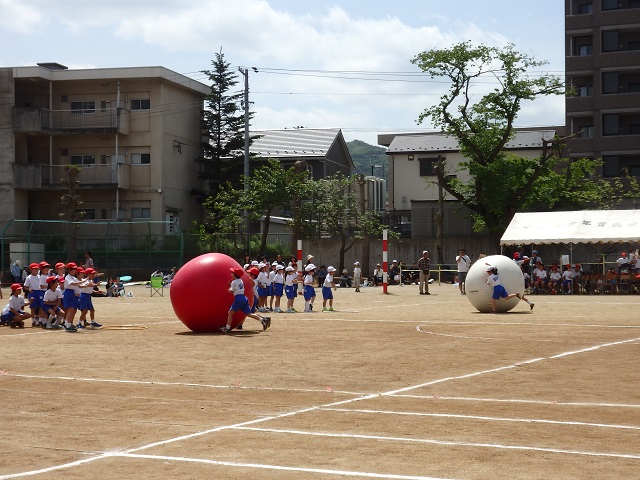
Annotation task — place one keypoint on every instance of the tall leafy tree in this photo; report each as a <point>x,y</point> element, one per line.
<point>499,184</point>
<point>223,128</point>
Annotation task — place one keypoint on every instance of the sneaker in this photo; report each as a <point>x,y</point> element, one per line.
<point>70,329</point>
<point>49,326</point>
<point>35,323</point>
<point>224,329</point>
<point>268,321</point>
<point>519,297</point>
<point>289,310</point>
<point>331,309</point>
<point>311,306</point>
<point>308,311</point>
<point>95,325</point>
<point>264,324</point>
<point>325,309</point>
<point>531,306</point>
<point>80,326</point>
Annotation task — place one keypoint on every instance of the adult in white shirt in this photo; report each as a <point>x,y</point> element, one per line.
<point>464,262</point>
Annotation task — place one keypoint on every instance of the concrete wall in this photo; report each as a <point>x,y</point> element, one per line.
<point>7,145</point>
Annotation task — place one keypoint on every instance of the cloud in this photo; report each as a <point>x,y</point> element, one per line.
<point>19,17</point>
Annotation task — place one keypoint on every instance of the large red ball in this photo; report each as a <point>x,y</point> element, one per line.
<point>200,293</point>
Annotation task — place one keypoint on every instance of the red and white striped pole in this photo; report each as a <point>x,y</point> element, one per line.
<point>299,264</point>
<point>385,261</point>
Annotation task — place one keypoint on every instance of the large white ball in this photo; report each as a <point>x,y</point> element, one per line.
<point>479,293</point>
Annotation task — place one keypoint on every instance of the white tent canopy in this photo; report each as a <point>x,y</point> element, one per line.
<point>583,226</point>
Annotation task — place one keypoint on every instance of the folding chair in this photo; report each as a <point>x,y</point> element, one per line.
<point>157,286</point>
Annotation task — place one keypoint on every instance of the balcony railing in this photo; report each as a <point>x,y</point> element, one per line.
<point>34,119</point>
<point>30,176</point>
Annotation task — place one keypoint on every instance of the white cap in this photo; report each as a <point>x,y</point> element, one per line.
<point>395,261</point>
<point>425,251</point>
<point>254,263</point>
<point>309,257</point>
<point>356,263</point>
<point>289,269</point>
<point>279,267</point>
<point>261,265</point>
<point>246,265</point>
<point>274,263</point>
<point>489,268</point>
<point>331,269</point>
<point>309,267</point>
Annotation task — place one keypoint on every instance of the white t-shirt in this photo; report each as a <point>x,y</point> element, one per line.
<point>555,275</point>
<point>51,296</point>
<point>15,303</point>
<point>263,279</point>
<point>237,287</point>
<point>32,282</point>
<point>328,280</point>
<point>540,274</point>
<point>308,280</point>
<point>357,272</point>
<point>567,275</point>
<point>290,278</point>
<point>463,262</point>
<point>493,280</point>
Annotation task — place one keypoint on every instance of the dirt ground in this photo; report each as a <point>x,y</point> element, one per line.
<point>401,386</point>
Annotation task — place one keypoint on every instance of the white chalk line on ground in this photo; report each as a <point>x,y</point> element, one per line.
<point>246,424</point>
<point>466,337</point>
<point>485,418</point>
<point>516,400</point>
<point>442,442</point>
<point>181,384</point>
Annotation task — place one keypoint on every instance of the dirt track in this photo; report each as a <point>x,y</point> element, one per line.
<point>400,385</point>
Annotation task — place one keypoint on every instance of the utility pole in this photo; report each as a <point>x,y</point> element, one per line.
<point>440,213</point>
<point>245,73</point>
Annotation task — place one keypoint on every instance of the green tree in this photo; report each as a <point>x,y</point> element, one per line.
<point>222,128</point>
<point>338,213</point>
<point>70,203</point>
<point>499,184</point>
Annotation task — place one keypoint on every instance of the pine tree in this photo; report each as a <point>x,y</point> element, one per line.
<point>223,129</point>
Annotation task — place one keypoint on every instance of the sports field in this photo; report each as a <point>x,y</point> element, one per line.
<point>400,386</point>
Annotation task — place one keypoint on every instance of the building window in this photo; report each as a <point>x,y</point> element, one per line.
<point>428,166</point>
<point>585,8</point>
<point>610,82</point>
<point>584,50</point>
<point>410,158</point>
<point>610,124</point>
<point>609,4</point>
<point>141,104</point>
<point>83,160</point>
<point>83,107</point>
<point>138,213</point>
<point>610,41</point>
<point>140,158</point>
<point>585,91</point>
<point>586,131</point>
<point>89,213</point>
<point>610,166</point>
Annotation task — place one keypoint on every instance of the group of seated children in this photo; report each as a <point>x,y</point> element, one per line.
<point>555,280</point>
<point>54,298</point>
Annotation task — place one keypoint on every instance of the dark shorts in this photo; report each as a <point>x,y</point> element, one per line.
<point>327,293</point>
<point>85,302</point>
<point>309,292</point>
<point>499,292</point>
<point>278,288</point>
<point>240,302</point>
<point>462,276</point>
<point>290,291</point>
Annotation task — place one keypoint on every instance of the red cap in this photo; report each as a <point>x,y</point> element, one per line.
<point>516,255</point>
<point>61,278</point>
<point>89,271</point>
<point>51,279</point>
<point>80,270</point>
<point>624,254</point>
<point>237,270</point>
<point>254,271</point>
<point>43,264</point>
<point>59,264</point>
<point>34,265</point>
<point>71,266</point>
<point>16,286</point>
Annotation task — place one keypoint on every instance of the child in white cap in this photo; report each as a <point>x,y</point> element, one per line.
<point>327,294</point>
<point>498,290</point>
<point>309,291</point>
<point>278,287</point>
<point>357,275</point>
<point>290,287</point>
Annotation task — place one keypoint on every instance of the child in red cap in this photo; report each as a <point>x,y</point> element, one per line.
<point>12,314</point>
<point>241,302</point>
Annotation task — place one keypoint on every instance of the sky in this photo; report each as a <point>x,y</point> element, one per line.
<point>320,64</point>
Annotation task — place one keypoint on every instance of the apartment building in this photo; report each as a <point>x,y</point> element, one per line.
<point>603,66</point>
<point>135,132</point>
